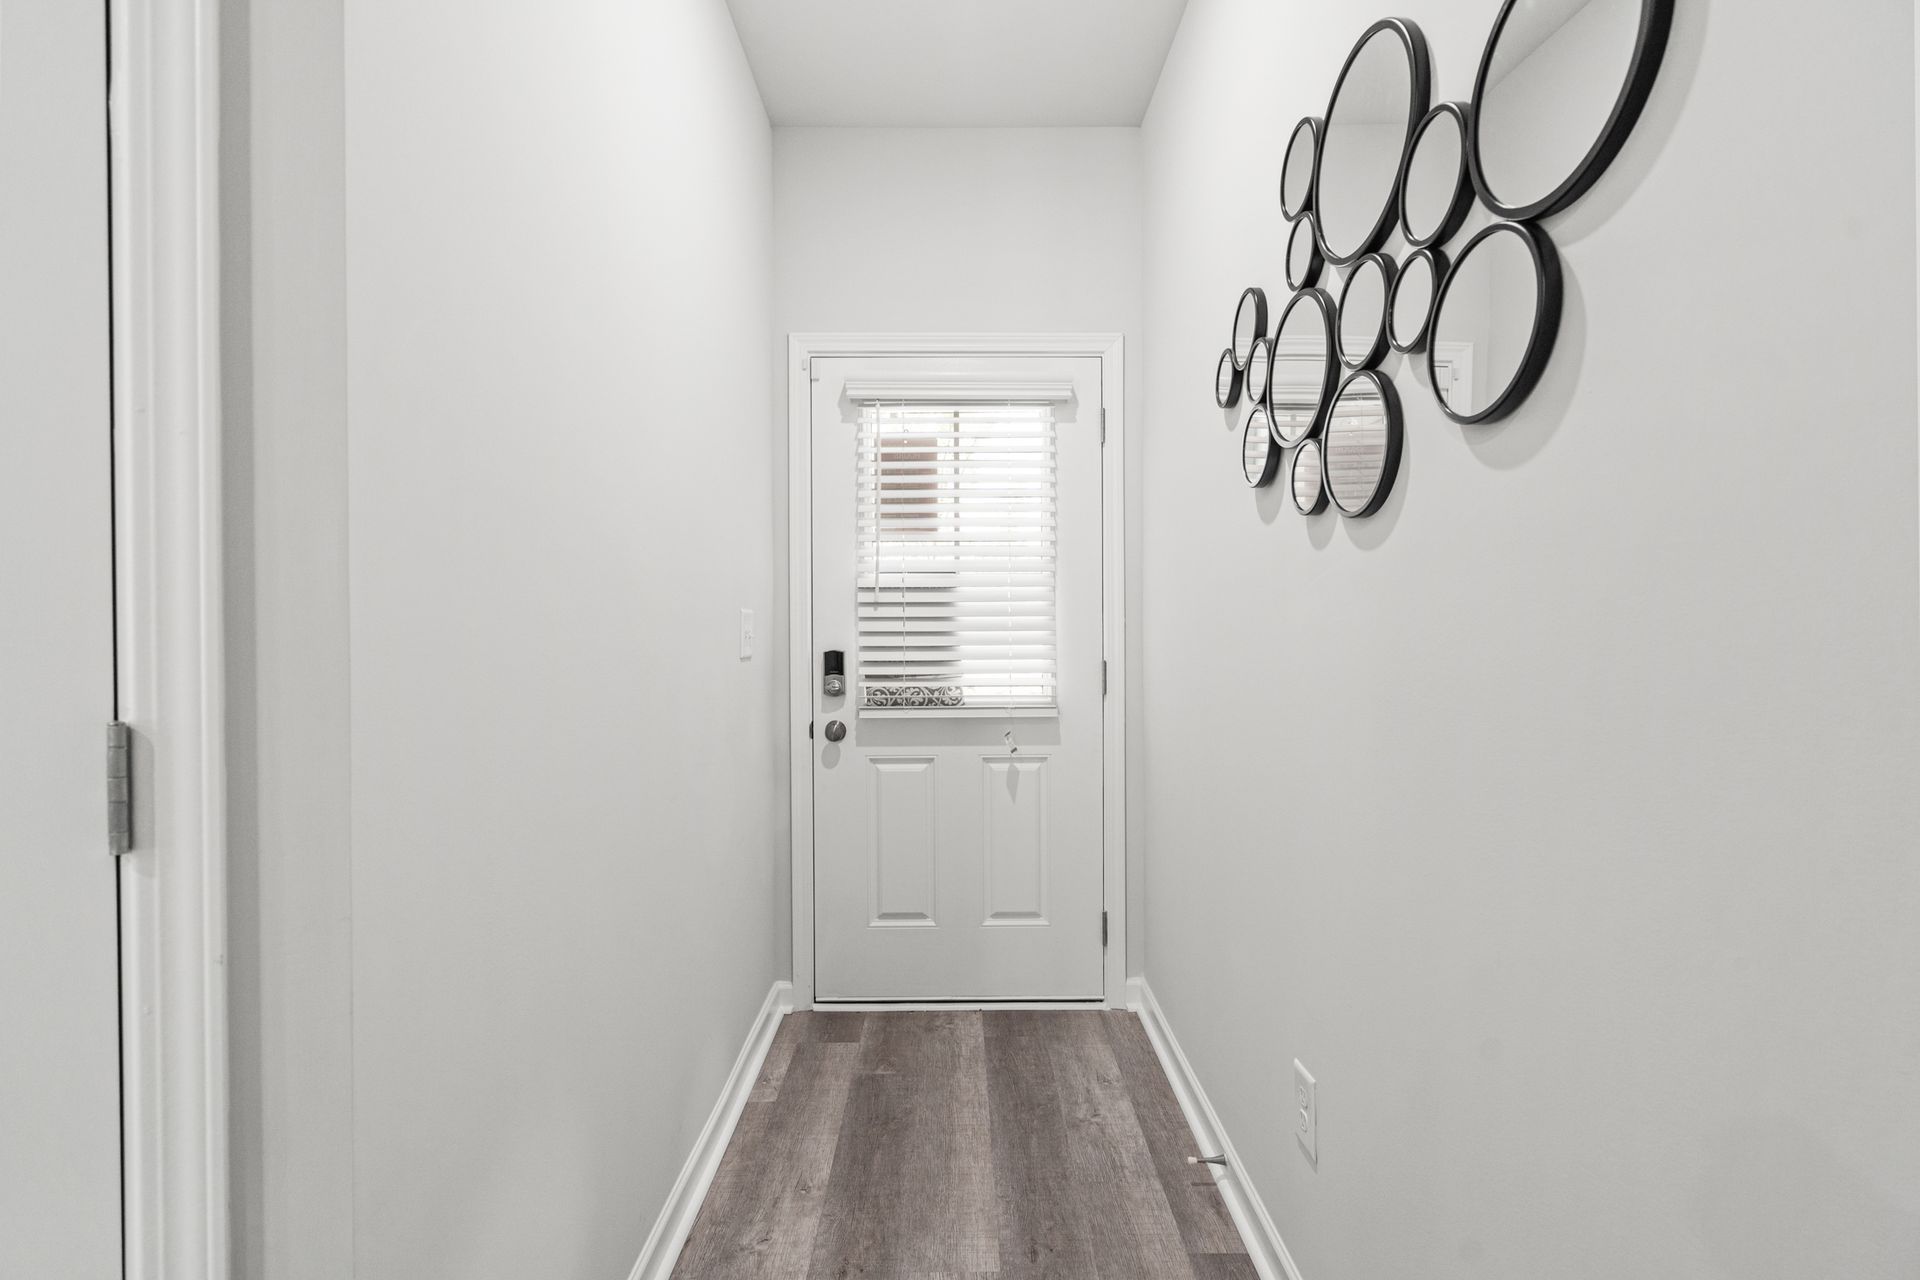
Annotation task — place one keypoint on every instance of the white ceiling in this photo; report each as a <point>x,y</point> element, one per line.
<point>956,62</point>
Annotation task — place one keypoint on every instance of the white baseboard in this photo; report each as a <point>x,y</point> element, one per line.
<point>670,1230</point>
<point>1269,1252</point>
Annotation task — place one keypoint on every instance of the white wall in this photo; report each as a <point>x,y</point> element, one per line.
<point>956,231</point>
<point>557,469</point>
<point>284,408</point>
<point>1582,873</point>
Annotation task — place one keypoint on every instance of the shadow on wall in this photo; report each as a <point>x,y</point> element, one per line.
<point>1518,440</point>
<point>1515,441</point>
<point>1679,68</point>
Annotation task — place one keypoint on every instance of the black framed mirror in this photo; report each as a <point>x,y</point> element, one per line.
<point>1499,305</point>
<point>1363,312</point>
<point>1226,382</point>
<point>1296,170</point>
<point>1305,368</point>
<point>1362,443</point>
<point>1249,322</point>
<point>1304,262</point>
<point>1380,98</point>
<point>1560,85</point>
<point>1259,455</point>
<point>1436,192</point>
<point>1259,364</point>
<point>1410,304</point>
<point>1307,478</point>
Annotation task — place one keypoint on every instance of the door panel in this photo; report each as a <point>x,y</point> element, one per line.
<point>958,853</point>
<point>59,954</point>
<point>901,841</point>
<point>1015,858</point>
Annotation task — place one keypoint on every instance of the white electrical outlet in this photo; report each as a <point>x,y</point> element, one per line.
<point>746,634</point>
<point>1306,1113</point>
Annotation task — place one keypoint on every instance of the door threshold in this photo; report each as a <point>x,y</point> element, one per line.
<point>951,1006</point>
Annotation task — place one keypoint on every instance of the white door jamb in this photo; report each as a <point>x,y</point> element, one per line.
<point>164,145</point>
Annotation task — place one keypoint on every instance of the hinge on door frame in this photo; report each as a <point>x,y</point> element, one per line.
<point>1103,677</point>
<point>119,789</point>
<point>1103,424</point>
<point>1103,930</point>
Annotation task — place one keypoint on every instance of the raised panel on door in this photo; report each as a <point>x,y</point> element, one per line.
<point>1014,801</point>
<point>901,843</point>
<point>957,566</point>
<point>60,1202</point>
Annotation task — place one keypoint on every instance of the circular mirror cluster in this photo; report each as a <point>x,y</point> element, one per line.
<point>1559,88</point>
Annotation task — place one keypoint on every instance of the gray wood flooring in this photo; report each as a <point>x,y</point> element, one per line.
<point>959,1146</point>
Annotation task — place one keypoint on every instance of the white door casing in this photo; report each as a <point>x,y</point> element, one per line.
<point>959,855</point>
<point>60,1171</point>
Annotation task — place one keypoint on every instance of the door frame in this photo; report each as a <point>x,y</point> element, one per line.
<point>163,126</point>
<point>802,348</point>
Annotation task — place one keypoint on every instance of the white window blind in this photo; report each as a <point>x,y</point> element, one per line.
<point>956,557</point>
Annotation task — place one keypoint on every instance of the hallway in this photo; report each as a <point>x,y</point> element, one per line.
<point>942,1146</point>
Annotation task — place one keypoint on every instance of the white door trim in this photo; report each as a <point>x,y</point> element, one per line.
<point>801,349</point>
<point>164,125</point>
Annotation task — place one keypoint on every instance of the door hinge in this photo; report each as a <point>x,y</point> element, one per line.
<point>119,789</point>
<point>1103,929</point>
<point>809,730</point>
<point>1103,424</point>
<point>1103,677</point>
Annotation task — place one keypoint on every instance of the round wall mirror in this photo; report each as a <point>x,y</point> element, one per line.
<point>1296,171</point>
<point>1259,455</point>
<point>1257,369</point>
<point>1363,312</point>
<point>1559,87</point>
<point>1305,369</point>
<point>1363,444</point>
<point>1435,192</point>
<point>1500,305</point>
<point>1308,480</point>
<point>1381,95</point>
<point>1410,306</point>
<point>1303,255</point>
<point>1226,382</point>
<point>1249,322</point>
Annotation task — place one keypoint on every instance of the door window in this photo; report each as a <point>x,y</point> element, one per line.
<point>956,559</point>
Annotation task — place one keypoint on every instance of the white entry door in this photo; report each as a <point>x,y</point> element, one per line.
<point>957,777</point>
<point>59,956</point>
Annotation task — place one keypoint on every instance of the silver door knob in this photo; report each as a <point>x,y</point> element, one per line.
<point>835,731</point>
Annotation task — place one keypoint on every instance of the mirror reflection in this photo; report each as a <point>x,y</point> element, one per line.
<point>1381,96</point>
<point>1551,77</point>
<point>1433,198</point>
<point>1257,371</point>
<point>1303,367</point>
<point>1363,312</point>
<point>1490,326</point>
<point>1296,171</point>
<point>1412,305</point>
<point>1362,444</point>
<point>1226,382</point>
<point>1309,479</point>
<point>1249,322</point>
<point>1303,254</point>
<point>1259,456</point>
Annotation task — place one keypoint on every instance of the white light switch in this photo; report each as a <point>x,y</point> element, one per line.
<point>746,634</point>
<point>1306,1114</point>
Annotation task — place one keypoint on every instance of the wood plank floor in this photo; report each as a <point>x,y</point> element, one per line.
<point>959,1146</point>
